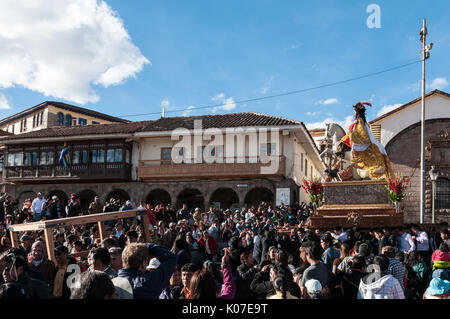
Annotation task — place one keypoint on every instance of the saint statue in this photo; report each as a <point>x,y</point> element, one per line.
<point>368,156</point>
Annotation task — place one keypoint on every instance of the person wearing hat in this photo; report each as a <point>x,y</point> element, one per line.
<point>95,207</point>
<point>36,206</point>
<point>313,288</point>
<point>438,289</point>
<point>73,209</point>
<point>153,264</point>
<point>197,216</point>
<point>368,155</point>
<point>25,243</point>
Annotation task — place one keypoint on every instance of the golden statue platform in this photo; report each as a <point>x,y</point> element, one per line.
<point>362,203</point>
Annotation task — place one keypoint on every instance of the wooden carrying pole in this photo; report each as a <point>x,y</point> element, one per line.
<point>49,225</point>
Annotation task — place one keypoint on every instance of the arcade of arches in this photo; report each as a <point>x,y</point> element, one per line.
<point>223,194</point>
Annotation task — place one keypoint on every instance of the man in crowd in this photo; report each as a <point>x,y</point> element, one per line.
<point>36,206</point>
<point>115,254</point>
<point>14,268</point>
<point>405,241</point>
<point>380,284</point>
<point>39,262</point>
<point>317,269</point>
<point>99,259</point>
<point>95,207</point>
<point>147,285</point>
<point>73,209</point>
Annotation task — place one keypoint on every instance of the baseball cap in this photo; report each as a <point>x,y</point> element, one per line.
<point>172,224</point>
<point>25,237</point>
<point>39,193</point>
<point>153,264</point>
<point>313,286</point>
<point>128,202</point>
<point>54,197</point>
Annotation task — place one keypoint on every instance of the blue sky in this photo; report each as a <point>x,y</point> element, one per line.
<point>200,53</point>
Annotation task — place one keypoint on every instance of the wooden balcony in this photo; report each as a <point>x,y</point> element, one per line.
<point>153,170</point>
<point>98,171</point>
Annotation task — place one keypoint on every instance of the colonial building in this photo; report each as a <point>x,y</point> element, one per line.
<point>400,133</point>
<point>230,160</point>
<point>50,114</point>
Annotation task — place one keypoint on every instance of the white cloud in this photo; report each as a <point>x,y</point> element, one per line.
<point>387,108</point>
<point>311,113</point>
<point>4,105</point>
<point>61,48</point>
<point>328,101</point>
<point>227,103</point>
<point>188,111</point>
<point>438,83</point>
<point>345,123</point>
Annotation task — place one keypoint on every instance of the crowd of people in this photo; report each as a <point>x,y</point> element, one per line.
<point>255,253</point>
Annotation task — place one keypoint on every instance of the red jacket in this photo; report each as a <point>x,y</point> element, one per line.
<point>211,243</point>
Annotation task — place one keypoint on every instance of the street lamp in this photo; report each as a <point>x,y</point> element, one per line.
<point>433,176</point>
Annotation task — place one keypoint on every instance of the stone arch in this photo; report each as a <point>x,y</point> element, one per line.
<point>62,196</point>
<point>24,195</point>
<point>86,197</point>
<point>192,197</point>
<point>256,195</point>
<point>225,196</point>
<point>118,193</point>
<point>158,196</point>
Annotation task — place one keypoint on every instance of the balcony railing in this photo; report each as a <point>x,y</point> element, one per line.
<point>109,171</point>
<point>249,167</point>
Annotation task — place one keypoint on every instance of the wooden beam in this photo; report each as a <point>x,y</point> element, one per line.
<point>101,230</point>
<point>15,242</point>
<point>50,244</point>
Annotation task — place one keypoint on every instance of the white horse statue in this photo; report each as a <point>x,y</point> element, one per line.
<point>333,134</point>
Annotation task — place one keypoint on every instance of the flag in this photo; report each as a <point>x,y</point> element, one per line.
<point>64,158</point>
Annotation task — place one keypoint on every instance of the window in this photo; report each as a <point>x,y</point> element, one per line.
<point>114,155</point>
<point>34,120</point>
<point>165,156</point>
<point>41,119</point>
<point>442,199</point>
<point>84,156</point>
<point>301,163</point>
<point>31,159</point>
<point>82,121</point>
<point>47,158</point>
<point>23,125</point>
<point>2,158</point>
<point>60,119</point>
<point>98,156</point>
<point>15,159</point>
<point>80,157</point>
<point>68,120</point>
<point>127,156</point>
<point>94,122</point>
<point>76,157</point>
<point>306,167</point>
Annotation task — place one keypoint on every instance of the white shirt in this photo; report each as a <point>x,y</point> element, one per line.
<point>36,205</point>
<point>208,251</point>
<point>249,216</point>
<point>341,237</point>
<point>406,243</point>
<point>422,241</point>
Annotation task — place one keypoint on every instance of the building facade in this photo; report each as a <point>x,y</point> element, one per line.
<point>50,114</point>
<point>400,133</point>
<point>230,161</point>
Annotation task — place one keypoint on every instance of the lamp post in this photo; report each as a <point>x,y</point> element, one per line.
<point>433,176</point>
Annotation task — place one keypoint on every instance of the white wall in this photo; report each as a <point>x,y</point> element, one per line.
<point>436,106</point>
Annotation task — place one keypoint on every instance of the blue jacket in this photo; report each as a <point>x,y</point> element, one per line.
<point>150,285</point>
